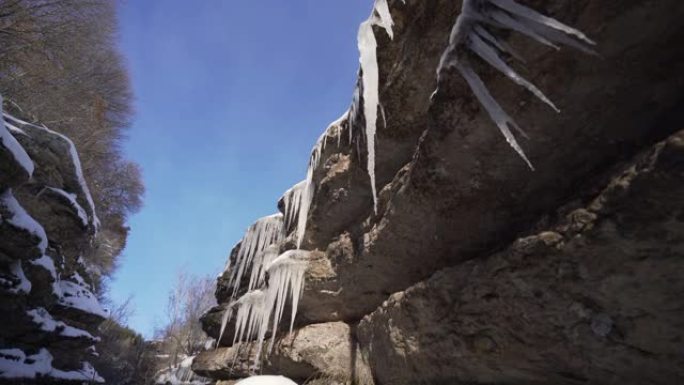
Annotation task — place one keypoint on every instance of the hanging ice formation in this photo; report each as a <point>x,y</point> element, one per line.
<point>286,280</point>
<point>469,32</point>
<point>369,67</point>
<point>292,200</point>
<point>260,308</point>
<point>262,233</point>
<point>308,188</point>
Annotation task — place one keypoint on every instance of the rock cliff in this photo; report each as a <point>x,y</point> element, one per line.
<point>473,268</point>
<point>47,222</point>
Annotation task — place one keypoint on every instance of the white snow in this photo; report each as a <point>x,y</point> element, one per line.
<point>266,380</point>
<point>470,32</point>
<point>44,320</point>
<point>18,153</point>
<point>78,297</point>
<point>24,285</point>
<point>15,364</point>
<point>47,263</point>
<point>74,160</point>
<point>368,59</point>
<point>71,198</point>
<point>22,220</point>
<point>264,232</point>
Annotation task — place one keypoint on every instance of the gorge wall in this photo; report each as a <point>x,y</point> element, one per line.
<point>473,268</point>
<point>47,223</point>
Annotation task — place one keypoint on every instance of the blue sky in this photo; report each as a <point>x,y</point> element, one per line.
<point>230,97</point>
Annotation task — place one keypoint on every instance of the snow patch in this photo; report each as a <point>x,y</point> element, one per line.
<point>71,198</point>
<point>24,285</point>
<point>44,320</point>
<point>15,364</point>
<point>18,153</point>
<point>79,297</point>
<point>47,263</point>
<point>266,380</point>
<point>74,160</point>
<point>22,220</point>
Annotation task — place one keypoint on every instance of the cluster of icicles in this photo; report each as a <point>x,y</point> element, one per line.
<point>275,279</point>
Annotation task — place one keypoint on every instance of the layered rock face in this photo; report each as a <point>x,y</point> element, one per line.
<point>47,223</point>
<point>475,269</point>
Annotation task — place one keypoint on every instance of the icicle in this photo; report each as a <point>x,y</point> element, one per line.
<point>370,78</point>
<point>308,188</point>
<point>264,232</point>
<point>261,260</point>
<point>469,32</point>
<point>286,280</point>
<point>293,200</point>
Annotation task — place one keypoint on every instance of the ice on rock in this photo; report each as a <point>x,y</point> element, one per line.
<point>264,232</point>
<point>10,143</point>
<point>307,192</point>
<point>261,260</point>
<point>292,200</point>
<point>470,32</point>
<point>258,309</point>
<point>286,281</point>
<point>368,60</point>
<point>181,374</point>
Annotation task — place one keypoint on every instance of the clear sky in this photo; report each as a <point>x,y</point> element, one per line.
<point>230,97</point>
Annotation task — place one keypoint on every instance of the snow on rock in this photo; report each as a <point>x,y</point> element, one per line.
<point>21,219</point>
<point>266,380</point>
<point>79,297</point>
<point>71,198</point>
<point>76,162</point>
<point>264,232</point>
<point>44,320</point>
<point>368,59</point>
<point>9,142</point>
<point>15,364</point>
<point>23,285</point>
<point>47,263</point>
<point>470,32</point>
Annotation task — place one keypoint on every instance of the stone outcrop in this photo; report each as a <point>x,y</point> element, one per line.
<point>47,222</point>
<point>475,269</point>
<point>326,353</point>
<point>592,299</point>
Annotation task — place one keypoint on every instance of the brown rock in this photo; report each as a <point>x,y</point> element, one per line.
<point>602,308</point>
